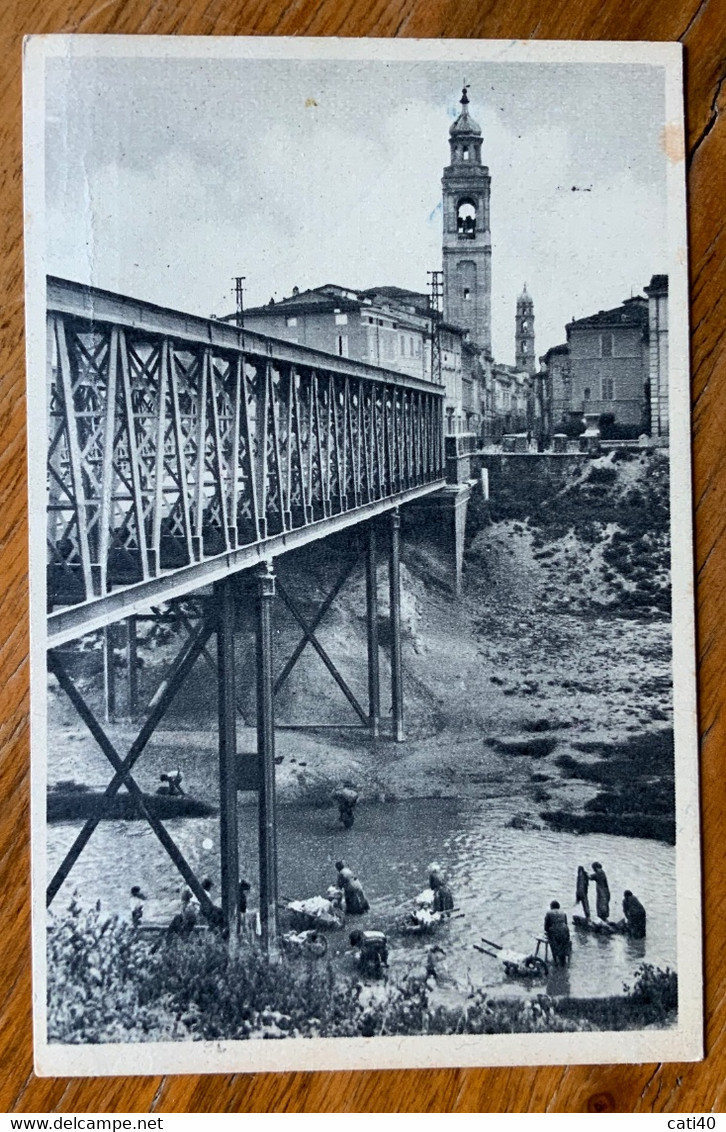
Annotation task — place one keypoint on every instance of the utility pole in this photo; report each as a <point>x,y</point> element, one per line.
<point>238,292</point>
<point>435,303</point>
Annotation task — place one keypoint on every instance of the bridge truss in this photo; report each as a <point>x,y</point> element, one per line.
<point>182,451</point>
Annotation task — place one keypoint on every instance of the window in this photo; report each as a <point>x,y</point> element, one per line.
<point>343,345</point>
<point>465,153</point>
<point>606,345</point>
<point>466,219</point>
<point>291,321</point>
<point>525,325</point>
<point>608,389</point>
<point>586,393</point>
<point>410,346</point>
<point>467,293</point>
<point>341,320</point>
<point>390,346</point>
<point>403,345</point>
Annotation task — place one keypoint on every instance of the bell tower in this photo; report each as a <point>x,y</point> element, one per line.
<point>524,333</point>
<point>467,247</point>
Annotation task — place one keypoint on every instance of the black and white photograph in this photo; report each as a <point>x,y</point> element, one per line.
<point>362,649</point>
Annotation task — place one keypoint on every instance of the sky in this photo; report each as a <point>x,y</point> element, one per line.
<point>165,178</point>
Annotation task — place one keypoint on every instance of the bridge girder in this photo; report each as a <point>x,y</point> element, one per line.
<point>182,450</point>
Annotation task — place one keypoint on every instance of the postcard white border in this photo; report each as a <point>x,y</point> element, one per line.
<point>681,1043</point>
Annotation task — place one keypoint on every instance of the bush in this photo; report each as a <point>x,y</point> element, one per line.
<point>94,965</point>
<point>602,473</point>
<point>108,982</point>
<point>654,989</point>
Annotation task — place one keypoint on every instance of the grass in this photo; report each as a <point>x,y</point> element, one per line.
<point>638,795</point>
<point>107,983</point>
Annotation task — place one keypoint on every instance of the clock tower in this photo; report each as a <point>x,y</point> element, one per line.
<point>467,246</point>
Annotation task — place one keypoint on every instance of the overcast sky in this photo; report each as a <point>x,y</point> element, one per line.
<point>167,177</point>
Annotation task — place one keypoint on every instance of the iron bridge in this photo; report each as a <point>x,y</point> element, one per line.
<point>183,449</point>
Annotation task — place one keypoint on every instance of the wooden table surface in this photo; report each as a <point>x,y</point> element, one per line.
<point>701,1087</point>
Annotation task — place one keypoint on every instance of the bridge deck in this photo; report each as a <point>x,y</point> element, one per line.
<point>182,449</point>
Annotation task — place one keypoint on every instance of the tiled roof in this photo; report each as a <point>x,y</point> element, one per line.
<point>633,312</point>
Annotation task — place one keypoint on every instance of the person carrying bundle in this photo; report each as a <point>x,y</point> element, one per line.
<point>347,798</point>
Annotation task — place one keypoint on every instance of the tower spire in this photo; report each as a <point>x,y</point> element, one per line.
<point>467,240</point>
<point>524,333</point>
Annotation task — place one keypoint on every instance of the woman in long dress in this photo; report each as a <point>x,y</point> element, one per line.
<point>557,933</point>
<point>356,902</point>
<point>581,896</point>
<point>602,891</point>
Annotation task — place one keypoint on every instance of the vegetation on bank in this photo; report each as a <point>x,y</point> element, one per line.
<point>637,788</point>
<point>618,504</point>
<point>108,982</point>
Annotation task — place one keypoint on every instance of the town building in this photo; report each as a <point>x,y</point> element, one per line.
<point>556,365</point>
<point>509,405</point>
<point>657,292</point>
<point>614,364</point>
<point>370,326</point>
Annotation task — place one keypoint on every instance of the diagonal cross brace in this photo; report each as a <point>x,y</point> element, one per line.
<point>164,695</point>
<point>313,625</point>
<point>310,636</point>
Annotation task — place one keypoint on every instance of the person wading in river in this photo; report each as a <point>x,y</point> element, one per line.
<point>581,897</point>
<point>602,891</point>
<point>356,902</point>
<point>558,934</point>
<point>347,798</point>
<point>634,913</point>
<point>443,899</point>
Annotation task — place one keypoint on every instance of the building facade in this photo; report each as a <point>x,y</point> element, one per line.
<point>370,326</point>
<point>615,364</point>
<point>657,292</point>
<point>556,365</point>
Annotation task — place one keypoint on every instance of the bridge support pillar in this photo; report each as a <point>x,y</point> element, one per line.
<point>132,667</point>
<point>394,590</point>
<point>266,759</point>
<point>374,684</point>
<point>109,673</point>
<point>227,705</point>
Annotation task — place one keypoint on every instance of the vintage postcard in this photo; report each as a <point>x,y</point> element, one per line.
<point>363,669</point>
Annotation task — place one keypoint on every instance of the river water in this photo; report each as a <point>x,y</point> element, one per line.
<point>502,879</point>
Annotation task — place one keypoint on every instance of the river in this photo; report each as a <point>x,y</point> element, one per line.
<point>502,879</point>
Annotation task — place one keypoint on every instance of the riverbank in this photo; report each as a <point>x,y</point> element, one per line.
<point>106,983</point>
<point>545,683</point>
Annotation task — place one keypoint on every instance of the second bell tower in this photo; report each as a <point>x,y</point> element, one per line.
<point>467,248</point>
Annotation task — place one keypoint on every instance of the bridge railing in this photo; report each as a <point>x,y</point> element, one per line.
<point>174,440</point>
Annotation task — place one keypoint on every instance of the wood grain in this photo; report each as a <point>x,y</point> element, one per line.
<point>701,26</point>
